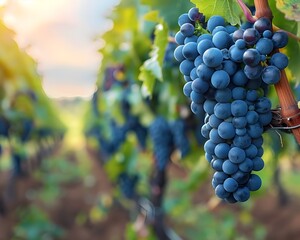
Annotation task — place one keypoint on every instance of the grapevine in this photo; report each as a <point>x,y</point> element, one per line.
<point>228,72</point>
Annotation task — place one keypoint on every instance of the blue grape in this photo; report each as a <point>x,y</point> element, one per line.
<point>203,45</point>
<point>221,150</point>
<point>230,185</point>
<point>263,24</point>
<point>186,67</point>
<point>215,21</point>
<point>280,39</point>
<point>209,147</point>
<point>254,182</point>
<point>268,34</point>
<point>279,60</point>
<point>255,130</point>
<point>271,75</point>
<point>223,95</point>
<point>179,38</point>
<point>190,39</point>
<point>236,155</point>
<point>213,57</point>
<point>240,44</point>
<point>239,122</point>
<point>217,164</point>
<point>187,29</point>
<point>236,54</point>
<point>204,72</point>
<point>240,131</point>
<point>242,194</point>
<point>194,14</point>
<point>263,105</point>
<point>239,78</point>
<point>226,130</point>
<point>230,67</point>
<point>197,97</point>
<point>252,117</point>
<point>200,86</point>
<point>220,79</point>
<point>265,118</point>
<point>198,61</point>
<point>213,121</point>
<point>246,166</point>
<point>178,54</point>
<point>183,18</point>
<point>215,137</point>
<point>187,89</point>
<point>193,74</point>
<point>218,29</point>
<point>209,106</point>
<point>258,164</point>
<point>238,34</point>
<point>239,108</point>
<point>205,130</point>
<point>252,95</point>
<point>251,36</point>
<point>222,40</point>
<point>251,57</point>
<point>229,167</point>
<point>239,93</point>
<point>221,192</point>
<point>264,46</point>
<point>222,110</point>
<point>253,72</point>
<point>251,151</point>
<point>241,177</point>
<point>197,109</point>
<point>220,177</point>
<point>189,51</point>
<point>204,36</point>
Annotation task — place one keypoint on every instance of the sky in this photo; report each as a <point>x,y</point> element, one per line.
<point>62,36</point>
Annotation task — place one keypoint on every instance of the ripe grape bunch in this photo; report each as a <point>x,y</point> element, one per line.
<point>161,136</point>
<point>227,72</point>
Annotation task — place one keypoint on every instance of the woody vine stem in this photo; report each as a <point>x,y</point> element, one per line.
<point>290,112</point>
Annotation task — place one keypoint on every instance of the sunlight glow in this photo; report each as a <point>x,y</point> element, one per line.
<point>60,34</point>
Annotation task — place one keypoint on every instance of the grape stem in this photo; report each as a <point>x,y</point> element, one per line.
<point>247,12</point>
<point>290,112</point>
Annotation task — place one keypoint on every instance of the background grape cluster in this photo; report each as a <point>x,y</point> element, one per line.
<point>228,71</point>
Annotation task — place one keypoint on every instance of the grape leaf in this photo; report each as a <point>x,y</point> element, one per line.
<point>152,67</point>
<point>169,10</point>
<point>291,8</point>
<point>229,9</point>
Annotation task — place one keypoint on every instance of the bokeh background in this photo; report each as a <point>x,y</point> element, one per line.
<point>78,158</point>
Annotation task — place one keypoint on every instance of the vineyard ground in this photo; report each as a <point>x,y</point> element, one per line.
<point>281,222</point>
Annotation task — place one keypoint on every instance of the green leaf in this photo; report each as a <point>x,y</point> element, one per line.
<point>152,67</point>
<point>229,9</point>
<point>291,8</point>
<point>169,10</point>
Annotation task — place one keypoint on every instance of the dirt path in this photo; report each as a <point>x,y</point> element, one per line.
<point>72,209</point>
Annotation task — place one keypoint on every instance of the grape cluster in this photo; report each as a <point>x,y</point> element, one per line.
<point>180,138</point>
<point>118,136</point>
<point>127,184</point>
<point>227,72</point>
<point>161,136</point>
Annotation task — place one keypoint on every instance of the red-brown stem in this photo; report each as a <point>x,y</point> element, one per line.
<point>289,108</point>
<point>262,9</point>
